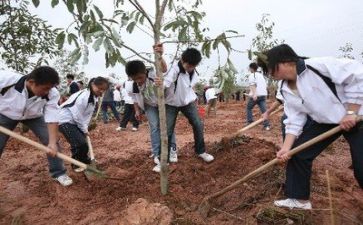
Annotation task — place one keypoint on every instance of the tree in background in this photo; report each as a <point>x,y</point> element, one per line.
<point>263,42</point>
<point>26,41</point>
<point>346,51</point>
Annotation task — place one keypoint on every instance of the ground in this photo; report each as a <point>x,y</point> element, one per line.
<point>29,196</point>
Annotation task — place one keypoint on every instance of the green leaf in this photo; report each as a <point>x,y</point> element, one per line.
<point>74,56</point>
<point>96,45</point>
<point>142,18</point>
<point>108,46</point>
<point>232,31</point>
<point>131,27</point>
<point>60,39</point>
<point>116,37</point>
<point>79,4</point>
<point>54,3</point>
<point>70,5</point>
<point>35,3</point>
<point>84,26</point>
<point>99,12</point>
<point>183,34</point>
<point>71,37</point>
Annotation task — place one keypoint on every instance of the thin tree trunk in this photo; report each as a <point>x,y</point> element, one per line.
<point>159,12</point>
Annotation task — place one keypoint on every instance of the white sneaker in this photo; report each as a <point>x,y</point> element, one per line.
<point>156,160</point>
<point>64,180</point>
<point>173,158</point>
<point>120,128</point>
<point>206,157</point>
<point>157,168</point>
<point>134,129</point>
<point>293,203</point>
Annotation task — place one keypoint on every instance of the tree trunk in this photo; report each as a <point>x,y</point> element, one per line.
<point>161,102</point>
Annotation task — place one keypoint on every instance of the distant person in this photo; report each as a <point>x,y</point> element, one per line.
<point>80,85</point>
<point>238,95</point>
<point>37,107</point>
<point>329,90</point>
<point>71,84</point>
<point>109,102</point>
<point>117,96</point>
<point>129,115</point>
<point>257,95</point>
<point>211,96</point>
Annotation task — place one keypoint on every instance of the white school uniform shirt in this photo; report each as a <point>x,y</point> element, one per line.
<point>210,94</point>
<point>16,105</point>
<point>117,95</point>
<point>316,99</point>
<point>78,109</point>
<point>147,93</point>
<point>184,93</point>
<point>127,92</point>
<point>257,79</point>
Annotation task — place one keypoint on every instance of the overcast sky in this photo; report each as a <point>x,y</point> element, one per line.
<point>311,27</point>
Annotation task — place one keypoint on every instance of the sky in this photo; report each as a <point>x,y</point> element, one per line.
<point>311,27</point>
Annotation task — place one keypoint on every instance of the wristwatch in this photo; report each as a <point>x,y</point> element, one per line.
<point>351,113</point>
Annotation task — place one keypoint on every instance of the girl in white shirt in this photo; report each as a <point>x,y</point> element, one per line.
<point>75,116</point>
<point>328,90</point>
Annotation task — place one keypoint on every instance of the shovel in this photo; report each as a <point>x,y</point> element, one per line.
<point>46,149</point>
<point>205,206</point>
<point>226,141</point>
<point>91,153</point>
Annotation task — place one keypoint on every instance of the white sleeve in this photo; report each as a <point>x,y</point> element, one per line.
<point>78,112</point>
<point>51,108</point>
<point>252,79</point>
<point>345,72</point>
<point>8,78</point>
<point>295,120</point>
<point>170,76</point>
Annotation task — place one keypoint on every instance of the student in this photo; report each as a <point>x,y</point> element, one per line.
<point>129,115</point>
<point>108,101</point>
<point>211,97</point>
<point>258,93</point>
<point>313,87</point>
<point>180,97</point>
<point>144,93</point>
<point>75,116</point>
<point>72,85</point>
<point>80,85</point>
<point>33,100</point>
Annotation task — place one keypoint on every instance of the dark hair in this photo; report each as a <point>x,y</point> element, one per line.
<point>191,56</point>
<point>135,67</point>
<point>44,75</point>
<point>70,76</point>
<point>280,54</point>
<point>98,81</point>
<point>253,66</point>
<point>80,82</point>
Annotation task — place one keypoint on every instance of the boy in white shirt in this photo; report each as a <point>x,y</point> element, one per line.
<point>329,90</point>
<point>180,96</point>
<point>258,93</point>
<point>33,100</point>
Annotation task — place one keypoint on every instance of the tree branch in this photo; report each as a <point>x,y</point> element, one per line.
<point>137,5</point>
<point>136,53</point>
<point>202,41</point>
